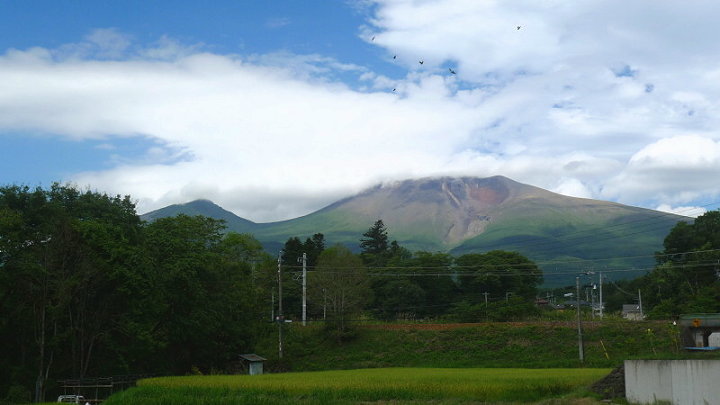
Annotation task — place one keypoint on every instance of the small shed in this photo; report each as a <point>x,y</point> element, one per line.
<point>632,312</point>
<point>252,363</point>
<point>700,331</point>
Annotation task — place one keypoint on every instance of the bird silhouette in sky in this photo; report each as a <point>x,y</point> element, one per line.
<point>452,71</point>
<point>519,26</point>
<point>421,62</point>
<point>372,39</point>
<point>394,56</point>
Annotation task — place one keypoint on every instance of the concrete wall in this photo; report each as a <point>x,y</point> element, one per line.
<point>681,382</point>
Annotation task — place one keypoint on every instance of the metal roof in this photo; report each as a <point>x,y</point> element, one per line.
<point>252,357</point>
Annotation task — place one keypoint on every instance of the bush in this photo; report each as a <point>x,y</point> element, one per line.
<point>18,394</point>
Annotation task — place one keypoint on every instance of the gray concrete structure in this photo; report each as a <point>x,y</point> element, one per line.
<point>680,382</point>
<point>253,362</point>
<point>714,339</point>
<point>697,328</point>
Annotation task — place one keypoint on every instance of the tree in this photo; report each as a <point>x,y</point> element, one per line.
<point>374,245</point>
<point>313,247</point>
<point>66,255</point>
<point>498,273</point>
<point>436,281</point>
<point>397,297</point>
<point>292,254</point>
<point>339,283</point>
<point>687,276</point>
<point>205,312</point>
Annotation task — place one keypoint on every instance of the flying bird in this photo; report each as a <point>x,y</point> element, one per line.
<point>519,26</point>
<point>451,71</point>
<point>394,89</point>
<point>421,62</point>
<point>394,56</point>
<point>372,39</point>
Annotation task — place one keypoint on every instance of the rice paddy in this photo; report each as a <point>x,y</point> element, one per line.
<point>399,385</point>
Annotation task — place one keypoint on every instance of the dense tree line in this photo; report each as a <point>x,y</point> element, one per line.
<point>686,278</point>
<point>432,285</point>
<point>389,282</point>
<point>87,289</point>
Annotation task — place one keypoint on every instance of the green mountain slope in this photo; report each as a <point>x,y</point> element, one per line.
<point>205,208</point>
<point>468,214</point>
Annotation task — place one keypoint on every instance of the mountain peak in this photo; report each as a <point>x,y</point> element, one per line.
<point>470,215</point>
<point>461,207</point>
<point>199,207</point>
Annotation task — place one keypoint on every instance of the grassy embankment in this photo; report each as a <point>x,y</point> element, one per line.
<point>399,385</point>
<point>519,345</point>
<point>442,364</point>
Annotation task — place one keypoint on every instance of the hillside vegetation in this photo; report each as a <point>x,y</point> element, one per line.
<point>500,344</point>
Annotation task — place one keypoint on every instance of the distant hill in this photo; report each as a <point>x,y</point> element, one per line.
<point>200,207</point>
<point>469,214</point>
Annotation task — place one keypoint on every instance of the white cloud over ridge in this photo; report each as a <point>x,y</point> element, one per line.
<point>583,100</point>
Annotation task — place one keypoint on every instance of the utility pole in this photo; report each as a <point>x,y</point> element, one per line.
<point>304,289</point>
<point>487,317</point>
<point>579,321</point>
<point>601,297</point>
<point>640,304</point>
<point>280,318</point>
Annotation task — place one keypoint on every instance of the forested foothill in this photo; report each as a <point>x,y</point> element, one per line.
<point>88,289</point>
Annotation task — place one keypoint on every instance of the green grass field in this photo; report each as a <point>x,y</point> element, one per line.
<point>394,385</point>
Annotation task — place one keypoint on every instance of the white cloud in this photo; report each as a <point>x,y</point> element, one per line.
<point>686,211</point>
<point>583,99</point>
<point>573,188</point>
<point>672,170</point>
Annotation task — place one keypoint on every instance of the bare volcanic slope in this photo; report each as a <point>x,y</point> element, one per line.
<point>470,214</point>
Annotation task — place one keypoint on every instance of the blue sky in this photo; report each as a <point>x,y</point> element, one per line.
<point>274,109</point>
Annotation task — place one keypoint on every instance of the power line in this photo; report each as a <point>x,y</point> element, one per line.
<point>517,266</point>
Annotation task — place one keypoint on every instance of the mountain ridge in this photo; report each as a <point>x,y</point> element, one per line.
<point>471,214</point>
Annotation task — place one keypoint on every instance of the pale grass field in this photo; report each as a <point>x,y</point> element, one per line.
<point>379,386</point>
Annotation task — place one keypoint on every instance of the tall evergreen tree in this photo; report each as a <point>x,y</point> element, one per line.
<point>374,245</point>
<point>313,247</point>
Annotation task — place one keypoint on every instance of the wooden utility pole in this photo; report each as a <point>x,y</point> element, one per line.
<point>579,321</point>
<point>280,318</point>
<point>304,289</point>
<point>601,297</point>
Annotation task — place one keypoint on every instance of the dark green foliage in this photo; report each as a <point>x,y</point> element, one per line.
<point>68,264</point>
<point>313,247</point>
<point>341,285</point>
<point>498,273</point>
<point>397,298</point>
<point>87,289</point>
<point>687,276</point>
<point>292,254</point>
<point>437,283</point>
<point>374,245</point>
<point>202,295</point>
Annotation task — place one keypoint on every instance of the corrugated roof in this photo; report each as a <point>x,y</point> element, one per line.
<point>252,357</point>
